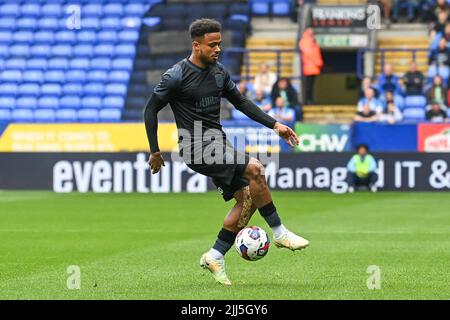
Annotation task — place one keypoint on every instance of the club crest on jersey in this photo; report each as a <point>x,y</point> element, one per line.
<point>219,79</point>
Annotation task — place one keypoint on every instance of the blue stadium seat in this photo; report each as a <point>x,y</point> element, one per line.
<point>23,36</point>
<point>110,23</point>
<point>88,115</point>
<point>129,36</point>
<point>282,7</point>
<point>66,115</point>
<point>415,102</point>
<point>119,76</point>
<point>41,50</point>
<point>79,63</point>
<point>122,64</point>
<point>94,88</point>
<point>58,63</point>
<point>5,36</point>
<point>37,63</point>
<point>239,8</point>
<point>130,22</point>
<point>44,115</point>
<point>48,102</point>
<point>15,64</point>
<point>29,89</point>
<point>8,89</point>
<point>113,102</point>
<point>73,88</point>
<point>33,76</point>
<point>101,63</point>
<point>90,23</point>
<point>10,9</point>
<point>106,50</point>
<point>11,76</point>
<point>107,36</point>
<point>52,9</point>
<point>5,114</point>
<point>19,50</point>
<point>30,9</point>
<point>70,102</point>
<point>26,102</point>
<point>134,9</point>
<point>416,114</point>
<point>260,7</point>
<point>22,115</point>
<point>7,102</point>
<point>62,50</point>
<point>83,50</point>
<point>48,23</point>
<point>113,9</point>
<point>91,102</point>
<point>53,89</point>
<point>44,37</point>
<point>92,9</point>
<point>127,50</point>
<point>75,76</point>
<point>27,23</point>
<point>116,88</point>
<point>4,50</point>
<point>65,36</point>
<point>97,75</point>
<point>55,76</point>
<point>110,115</point>
<point>443,71</point>
<point>87,36</point>
<point>7,23</point>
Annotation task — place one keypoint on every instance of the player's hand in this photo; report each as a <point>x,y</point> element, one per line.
<point>156,161</point>
<point>286,133</point>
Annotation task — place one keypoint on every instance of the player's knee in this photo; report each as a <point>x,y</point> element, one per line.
<point>255,169</point>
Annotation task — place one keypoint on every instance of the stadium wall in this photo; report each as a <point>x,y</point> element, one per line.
<point>129,172</point>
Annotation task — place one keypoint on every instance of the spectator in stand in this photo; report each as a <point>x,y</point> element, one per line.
<point>365,84</point>
<point>437,92</point>
<point>312,63</point>
<point>283,88</point>
<point>366,115</point>
<point>243,88</point>
<point>362,169</point>
<point>441,5</point>
<point>392,114</point>
<point>388,81</point>
<point>261,101</point>
<point>438,26</point>
<point>425,8</point>
<point>436,112</point>
<point>441,56</point>
<point>413,81</point>
<point>282,113</point>
<point>400,4</point>
<point>370,100</point>
<point>389,97</point>
<point>265,79</point>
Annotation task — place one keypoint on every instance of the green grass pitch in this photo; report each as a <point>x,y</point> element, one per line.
<point>147,246</point>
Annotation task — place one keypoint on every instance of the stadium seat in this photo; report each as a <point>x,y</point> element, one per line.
<point>44,115</point>
<point>66,115</point>
<point>416,114</point>
<point>26,102</point>
<point>101,63</point>
<point>11,76</point>
<point>41,50</point>
<point>126,50</point>
<point>106,50</point>
<point>88,115</point>
<point>7,23</point>
<point>7,102</point>
<point>97,75</point>
<point>92,9</point>
<point>70,102</point>
<point>10,9</point>
<point>48,23</point>
<point>37,63</point>
<point>23,36</point>
<point>33,76</point>
<point>281,7</point>
<point>415,102</point>
<point>76,76</point>
<point>129,36</point>
<point>5,114</point>
<point>22,115</point>
<point>87,36</point>
<point>29,89</point>
<point>107,36</point>
<point>65,36</point>
<point>30,9</point>
<point>45,37</point>
<point>4,50</point>
<point>6,36</point>
<point>58,63</point>
<point>130,22</point>
<point>90,23</point>
<point>8,89</point>
<point>51,89</point>
<point>83,50</point>
<point>72,89</point>
<point>15,64</point>
<point>260,7</point>
<point>110,115</point>
<point>52,9</point>
<point>110,23</point>
<point>79,63</point>
<point>19,50</point>
<point>92,102</point>
<point>113,102</point>
<point>123,64</point>
<point>48,102</point>
<point>113,9</point>
<point>239,8</point>
<point>55,76</point>
<point>94,88</point>
<point>29,23</point>
<point>116,88</point>
<point>119,76</point>
<point>134,9</point>
<point>62,50</point>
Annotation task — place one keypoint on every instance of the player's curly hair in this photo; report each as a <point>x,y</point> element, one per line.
<point>200,27</point>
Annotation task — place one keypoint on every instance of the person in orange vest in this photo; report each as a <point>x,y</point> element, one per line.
<point>312,63</point>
